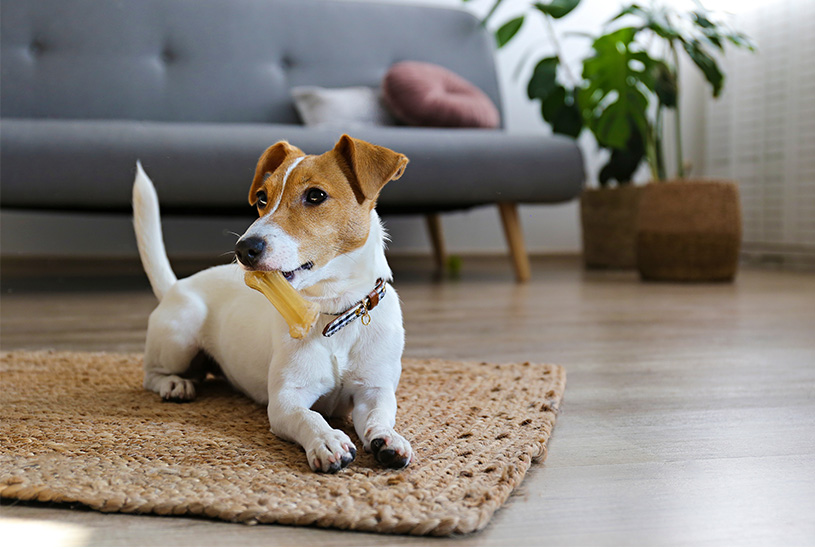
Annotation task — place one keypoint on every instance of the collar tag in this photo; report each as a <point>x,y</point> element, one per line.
<point>365,315</point>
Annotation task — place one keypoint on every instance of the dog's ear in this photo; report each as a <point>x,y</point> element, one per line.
<point>369,166</point>
<point>269,161</point>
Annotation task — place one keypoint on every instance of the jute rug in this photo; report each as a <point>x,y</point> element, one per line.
<point>79,428</point>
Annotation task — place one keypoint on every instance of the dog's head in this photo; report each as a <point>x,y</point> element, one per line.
<point>314,208</point>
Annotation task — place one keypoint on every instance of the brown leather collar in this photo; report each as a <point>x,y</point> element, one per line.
<point>360,309</point>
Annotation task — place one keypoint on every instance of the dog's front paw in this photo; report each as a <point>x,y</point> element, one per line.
<point>331,453</point>
<point>391,449</point>
<point>176,388</point>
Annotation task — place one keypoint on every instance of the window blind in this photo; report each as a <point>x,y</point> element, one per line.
<point>761,132</point>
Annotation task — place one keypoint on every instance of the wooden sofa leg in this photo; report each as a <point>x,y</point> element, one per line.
<point>515,239</point>
<point>437,240</point>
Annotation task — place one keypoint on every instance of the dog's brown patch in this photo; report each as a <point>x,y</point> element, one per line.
<point>352,175</point>
<point>268,164</point>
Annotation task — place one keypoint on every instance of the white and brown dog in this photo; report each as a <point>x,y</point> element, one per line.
<point>318,226</point>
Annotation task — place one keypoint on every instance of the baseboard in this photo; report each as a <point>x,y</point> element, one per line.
<point>15,267</point>
<point>788,257</point>
<point>91,267</point>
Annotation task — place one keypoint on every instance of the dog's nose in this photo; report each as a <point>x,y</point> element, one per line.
<point>249,249</point>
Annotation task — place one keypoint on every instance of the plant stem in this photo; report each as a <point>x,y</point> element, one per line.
<point>489,14</point>
<point>680,161</point>
<point>559,53</point>
<point>651,153</point>
<point>659,150</point>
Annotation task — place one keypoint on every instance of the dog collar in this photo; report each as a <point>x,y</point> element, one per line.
<point>361,309</point>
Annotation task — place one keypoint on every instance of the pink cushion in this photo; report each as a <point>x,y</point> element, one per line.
<point>423,94</point>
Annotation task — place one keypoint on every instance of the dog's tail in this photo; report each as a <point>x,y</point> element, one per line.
<point>147,223</point>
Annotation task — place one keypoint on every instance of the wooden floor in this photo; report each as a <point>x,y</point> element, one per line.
<point>689,415</point>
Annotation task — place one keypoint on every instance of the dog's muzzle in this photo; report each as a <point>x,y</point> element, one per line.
<point>249,250</point>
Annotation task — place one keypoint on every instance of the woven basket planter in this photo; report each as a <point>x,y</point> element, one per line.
<point>689,230</point>
<point>608,218</point>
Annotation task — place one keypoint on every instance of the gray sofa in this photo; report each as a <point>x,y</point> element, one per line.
<point>197,89</point>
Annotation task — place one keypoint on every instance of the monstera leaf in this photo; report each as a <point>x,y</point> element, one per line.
<point>623,93</point>
<point>695,31</point>
<point>664,84</point>
<point>508,30</point>
<point>557,8</point>
<point>558,105</point>
<point>624,162</point>
<point>706,64</point>
<point>615,100</point>
<point>562,112</point>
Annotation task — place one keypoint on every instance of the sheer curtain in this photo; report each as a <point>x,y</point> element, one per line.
<point>761,132</point>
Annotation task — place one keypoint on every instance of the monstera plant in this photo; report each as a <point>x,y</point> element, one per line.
<point>627,85</point>
<point>630,80</point>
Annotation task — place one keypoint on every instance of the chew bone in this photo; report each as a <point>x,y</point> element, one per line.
<point>299,313</point>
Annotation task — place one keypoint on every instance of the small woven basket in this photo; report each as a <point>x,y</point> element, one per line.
<point>608,218</point>
<point>689,230</point>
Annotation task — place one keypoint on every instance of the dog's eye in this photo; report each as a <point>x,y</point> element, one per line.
<point>315,196</point>
<point>262,199</point>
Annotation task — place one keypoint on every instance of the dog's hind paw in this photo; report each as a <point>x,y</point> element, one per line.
<point>176,388</point>
<point>392,450</point>
<point>331,453</point>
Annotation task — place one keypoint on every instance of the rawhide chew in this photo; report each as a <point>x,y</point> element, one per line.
<point>299,313</point>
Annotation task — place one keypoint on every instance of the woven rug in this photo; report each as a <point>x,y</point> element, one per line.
<point>79,428</point>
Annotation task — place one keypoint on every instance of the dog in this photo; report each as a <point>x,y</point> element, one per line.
<point>318,226</point>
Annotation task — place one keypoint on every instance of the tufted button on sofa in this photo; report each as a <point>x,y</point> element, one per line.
<point>197,90</point>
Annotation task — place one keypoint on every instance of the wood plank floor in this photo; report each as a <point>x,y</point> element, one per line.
<point>689,415</point>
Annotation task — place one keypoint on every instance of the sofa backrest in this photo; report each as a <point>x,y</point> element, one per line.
<point>217,60</point>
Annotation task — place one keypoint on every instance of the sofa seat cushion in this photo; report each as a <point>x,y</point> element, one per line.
<point>207,168</point>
